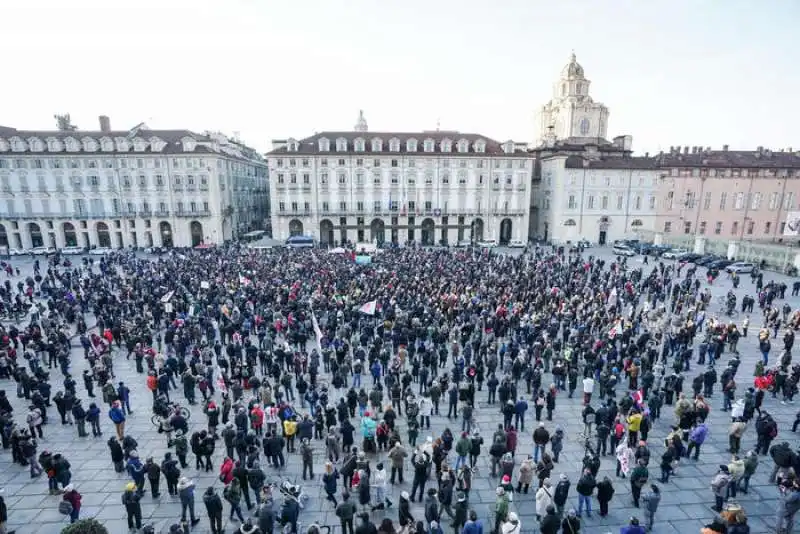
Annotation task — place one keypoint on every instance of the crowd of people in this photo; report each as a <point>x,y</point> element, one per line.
<point>306,358</point>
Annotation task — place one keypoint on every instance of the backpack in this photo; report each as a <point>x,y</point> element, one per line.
<point>64,507</point>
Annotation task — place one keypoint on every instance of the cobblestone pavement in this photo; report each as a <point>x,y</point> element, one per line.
<point>685,504</point>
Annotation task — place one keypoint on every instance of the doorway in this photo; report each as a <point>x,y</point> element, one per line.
<point>601,239</point>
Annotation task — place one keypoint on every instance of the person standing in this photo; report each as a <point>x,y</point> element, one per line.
<point>639,477</point>
<point>719,485</point>
<point>214,509</point>
<point>169,466</point>
<point>651,501</point>
<point>544,499</point>
<point>233,494</point>
<point>4,517</point>
<point>131,498</point>
<point>117,417</point>
<point>153,476</point>
<point>788,504</point>
<point>585,488</point>
<point>345,512</point>
<point>605,491</point>
<point>186,492</point>
<point>571,524</point>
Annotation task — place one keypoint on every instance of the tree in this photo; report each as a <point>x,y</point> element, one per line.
<point>85,526</point>
<point>64,123</point>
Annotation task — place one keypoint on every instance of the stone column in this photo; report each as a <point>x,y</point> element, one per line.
<point>699,245</point>
<point>733,249</point>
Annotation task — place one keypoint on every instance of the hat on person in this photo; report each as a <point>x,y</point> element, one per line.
<point>506,479</point>
<point>133,454</point>
<point>130,486</point>
<point>434,524</point>
<point>563,476</point>
<point>541,424</point>
<point>404,495</point>
<point>462,496</point>
<point>723,468</point>
<point>70,487</point>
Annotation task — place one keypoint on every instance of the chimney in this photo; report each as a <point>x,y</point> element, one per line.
<point>647,154</point>
<point>760,149</point>
<point>685,150</point>
<point>724,148</point>
<point>789,150</point>
<point>105,124</point>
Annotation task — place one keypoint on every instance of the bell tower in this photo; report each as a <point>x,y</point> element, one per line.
<point>572,114</point>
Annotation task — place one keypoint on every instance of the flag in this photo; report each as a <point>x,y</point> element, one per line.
<point>244,281</point>
<point>615,331</point>
<point>637,397</point>
<point>317,331</point>
<point>369,308</point>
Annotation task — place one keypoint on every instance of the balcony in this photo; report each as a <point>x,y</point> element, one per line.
<point>191,187</point>
<point>203,187</point>
<point>25,189</point>
<point>177,187</point>
<point>95,215</point>
<point>191,214</point>
<point>145,213</point>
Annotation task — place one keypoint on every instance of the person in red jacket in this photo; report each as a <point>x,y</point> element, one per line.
<point>226,471</point>
<point>74,499</point>
<point>257,419</point>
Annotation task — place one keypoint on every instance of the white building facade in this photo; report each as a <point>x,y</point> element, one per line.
<point>137,188</point>
<point>428,187</point>
<point>586,187</point>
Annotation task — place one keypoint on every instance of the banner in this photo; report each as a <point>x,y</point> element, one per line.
<point>168,296</point>
<point>369,308</point>
<point>317,331</point>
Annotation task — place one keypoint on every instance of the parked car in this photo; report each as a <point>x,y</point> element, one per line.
<point>707,259</point>
<point>488,243</point>
<point>622,250</point>
<point>100,251</point>
<point>72,251</point>
<point>464,243</point>
<point>659,250</point>
<point>673,253</point>
<point>42,251</point>
<point>741,267</point>
<point>18,252</point>
<point>585,243</point>
<point>719,264</point>
<point>689,257</point>
<point>516,243</point>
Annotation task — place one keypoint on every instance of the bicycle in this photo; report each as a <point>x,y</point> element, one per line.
<point>158,421</point>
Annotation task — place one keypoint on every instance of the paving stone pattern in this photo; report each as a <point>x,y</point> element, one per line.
<point>685,505</point>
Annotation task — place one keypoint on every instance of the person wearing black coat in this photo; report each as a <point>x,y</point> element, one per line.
<point>550,523</point>
<point>605,491</point>
<point>117,454</point>
<point>214,509</point>
<point>404,516</point>
<point>240,472</point>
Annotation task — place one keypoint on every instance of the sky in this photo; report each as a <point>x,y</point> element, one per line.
<point>682,72</point>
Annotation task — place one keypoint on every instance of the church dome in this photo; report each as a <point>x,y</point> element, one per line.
<point>573,69</point>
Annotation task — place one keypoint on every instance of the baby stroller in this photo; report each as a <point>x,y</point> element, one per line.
<point>294,492</point>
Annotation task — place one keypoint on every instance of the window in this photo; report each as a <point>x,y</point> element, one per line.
<point>412,206</point>
<point>193,206</point>
<point>607,180</point>
<point>294,207</point>
<point>667,227</point>
<point>788,201</point>
<point>412,180</point>
<point>428,146</point>
<point>767,227</point>
<point>359,178</point>
<point>445,163</point>
<point>206,207</point>
<point>304,162</point>
<point>738,201</point>
<point>571,203</point>
<point>637,202</point>
<point>690,199</point>
<point>723,199</point>
<point>735,227</point>
<point>376,163</point>
<point>687,227</point>
<point>281,206</point>
<point>360,206</point>
<point>604,202</point>
<point>394,145</point>
<point>590,202</point>
<point>341,178</point>
<point>94,181</point>
<point>669,200</point>
<point>360,162</point>
<point>751,226</point>
<point>429,179</point>
<point>393,205</point>
<point>325,207</point>
<point>307,207</point>
<point>445,179</point>
<point>702,228</point>
<point>376,178</point>
<point>755,201</point>
<point>428,206</point>
<point>280,178</point>
<point>462,178</point>
<point>395,178</point>
<point>341,163</point>
<point>376,206</point>
<point>718,227</point>
<point>306,178</point>
<point>394,163</point>
<point>279,163</point>
<point>293,162</point>
<point>620,200</point>
<point>480,163</point>
<point>323,162</point>
<point>293,178</point>
<point>773,201</point>
<point>707,200</point>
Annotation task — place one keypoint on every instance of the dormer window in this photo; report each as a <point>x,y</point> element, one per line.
<point>140,145</point>
<point>157,144</point>
<point>447,145</point>
<point>3,145</point>
<point>72,144</point>
<point>106,144</point>
<point>377,145</point>
<point>35,144</point>
<point>341,145</point>
<point>411,145</point>
<point>324,144</point>
<point>122,144</point>
<point>463,146</point>
<point>429,145</point>
<point>188,144</point>
<point>359,145</point>
<point>394,145</point>
<point>480,146</point>
<point>89,144</point>
<point>508,147</point>
<point>54,145</point>
<point>292,145</point>
<point>17,144</point>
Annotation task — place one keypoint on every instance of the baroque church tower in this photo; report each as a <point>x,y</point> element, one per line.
<point>571,115</point>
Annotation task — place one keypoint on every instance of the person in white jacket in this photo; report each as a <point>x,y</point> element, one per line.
<point>378,482</point>
<point>544,498</point>
<point>512,526</point>
<point>425,410</point>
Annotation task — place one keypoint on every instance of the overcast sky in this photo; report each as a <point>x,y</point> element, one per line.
<point>688,72</point>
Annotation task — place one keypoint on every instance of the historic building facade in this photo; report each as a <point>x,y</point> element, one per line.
<point>735,195</point>
<point>586,187</point>
<point>136,188</point>
<point>428,187</point>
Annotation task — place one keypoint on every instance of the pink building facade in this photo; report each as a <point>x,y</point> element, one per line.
<point>729,195</point>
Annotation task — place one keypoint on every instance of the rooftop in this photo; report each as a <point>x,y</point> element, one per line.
<point>705,157</point>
